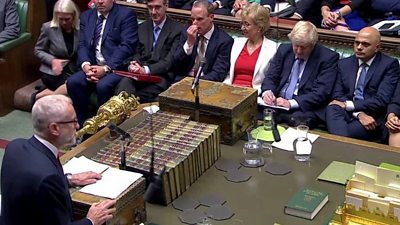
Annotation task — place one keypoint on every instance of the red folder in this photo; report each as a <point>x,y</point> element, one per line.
<point>139,77</point>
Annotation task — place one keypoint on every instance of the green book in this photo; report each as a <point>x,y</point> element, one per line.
<point>337,172</point>
<point>306,203</point>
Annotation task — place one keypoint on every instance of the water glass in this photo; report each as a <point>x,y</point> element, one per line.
<point>268,114</point>
<point>266,150</point>
<point>251,148</point>
<point>302,145</point>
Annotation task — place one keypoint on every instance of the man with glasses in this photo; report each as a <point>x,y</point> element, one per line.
<point>158,39</point>
<point>33,185</point>
<point>300,77</point>
<point>366,82</point>
<point>203,41</point>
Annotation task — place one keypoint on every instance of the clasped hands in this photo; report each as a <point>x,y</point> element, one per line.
<point>135,67</point>
<point>270,99</point>
<point>330,19</point>
<point>393,123</point>
<point>94,72</point>
<point>368,122</point>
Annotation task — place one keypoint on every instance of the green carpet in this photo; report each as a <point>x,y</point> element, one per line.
<point>16,124</point>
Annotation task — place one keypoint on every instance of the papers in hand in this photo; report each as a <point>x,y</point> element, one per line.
<point>112,183</point>
<point>288,137</point>
<point>260,101</point>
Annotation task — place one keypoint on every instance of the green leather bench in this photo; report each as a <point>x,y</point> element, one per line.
<point>24,36</point>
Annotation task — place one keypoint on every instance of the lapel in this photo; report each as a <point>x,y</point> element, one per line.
<point>310,66</point>
<point>109,21</point>
<point>289,60</point>
<point>164,33</point>
<point>210,51</point>
<point>150,37</point>
<point>262,55</point>
<point>372,68</point>
<point>60,40</point>
<point>76,41</point>
<point>92,24</point>
<point>352,74</point>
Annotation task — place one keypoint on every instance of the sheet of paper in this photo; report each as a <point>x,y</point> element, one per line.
<point>288,137</point>
<point>112,183</point>
<point>261,102</point>
<point>152,109</point>
<point>83,164</point>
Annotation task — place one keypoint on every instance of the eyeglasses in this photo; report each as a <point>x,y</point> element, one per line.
<point>75,121</point>
<point>245,24</point>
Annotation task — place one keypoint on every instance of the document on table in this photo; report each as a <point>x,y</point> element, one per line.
<point>83,164</point>
<point>112,183</point>
<point>260,101</point>
<point>288,137</point>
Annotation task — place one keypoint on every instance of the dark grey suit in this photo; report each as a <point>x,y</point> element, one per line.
<point>51,45</point>
<point>159,59</point>
<point>9,22</point>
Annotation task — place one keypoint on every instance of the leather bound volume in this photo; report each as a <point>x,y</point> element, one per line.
<point>148,78</point>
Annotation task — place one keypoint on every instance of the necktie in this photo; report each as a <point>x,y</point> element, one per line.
<point>200,54</point>
<point>156,33</point>
<point>97,32</point>
<point>359,92</point>
<point>294,78</point>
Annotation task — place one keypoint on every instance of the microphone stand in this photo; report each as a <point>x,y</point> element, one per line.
<point>195,90</point>
<point>125,143</point>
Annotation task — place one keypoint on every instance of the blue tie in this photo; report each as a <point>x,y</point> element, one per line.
<point>156,33</point>
<point>294,78</point>
<point>359,92</point>
<point>97,32</point>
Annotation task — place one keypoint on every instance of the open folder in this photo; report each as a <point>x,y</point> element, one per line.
<point>112,183</point>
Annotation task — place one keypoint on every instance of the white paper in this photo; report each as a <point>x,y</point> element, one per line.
<point>112,183</point>
<point>152,109</point>
<point>83,164</point>
<point>260,101</point>
<point>288,137</point>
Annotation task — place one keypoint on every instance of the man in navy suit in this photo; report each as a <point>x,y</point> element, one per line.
<point>300,77</point>
<point>215,42</point>
<point>33,185</point>
<point>158,39</point>
<point>108,36</point>
<point>366,82</point>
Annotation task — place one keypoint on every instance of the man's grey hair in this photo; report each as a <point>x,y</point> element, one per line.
<point>203,4</point>
<point>51,108</point>
<point>304,32</point>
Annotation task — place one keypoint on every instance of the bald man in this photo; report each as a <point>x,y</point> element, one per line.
<point>365,84</point>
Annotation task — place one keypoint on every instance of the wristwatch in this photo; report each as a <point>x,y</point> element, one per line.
<point>338,13</point>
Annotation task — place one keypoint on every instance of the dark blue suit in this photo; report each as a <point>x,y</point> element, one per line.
<point>34,188</point>
<point>118,43</point>
<point>380,83</point>
<point>217,56</point>
<point>315,86</point>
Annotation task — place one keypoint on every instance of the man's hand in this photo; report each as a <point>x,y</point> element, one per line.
<point>393,123</point>
<point>192,35</point>
<point>368,122</point>
<point>269,98</point>
<point>57,65</point>
<point>135,67</point>
<point>85,178</point>
<point>339,103</point>
<point>329,18</point>
<point>101,212</point>
<point>283,102</point>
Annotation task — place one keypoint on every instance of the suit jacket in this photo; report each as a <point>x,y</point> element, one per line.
<point>268,49</point>
<point>160,59</point>
<point>380,83</point>
<point>317,80</point>
<point>9,22</point>
<point>119,38</point>
<point>217,56</point>
<point>50,45</point>
<point>40,195</point>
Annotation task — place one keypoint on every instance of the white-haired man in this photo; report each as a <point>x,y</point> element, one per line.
<point>32,179</point>
<point>301,77</point>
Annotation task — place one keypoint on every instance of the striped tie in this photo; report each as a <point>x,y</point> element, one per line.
<point>156,33</point>
<point>97,32</point>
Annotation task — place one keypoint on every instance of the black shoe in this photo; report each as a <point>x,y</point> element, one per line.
<point>33,99</point>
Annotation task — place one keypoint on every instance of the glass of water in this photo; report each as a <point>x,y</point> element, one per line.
<point>268,113</point>
<point>302,145</point>
<point>251,148</point>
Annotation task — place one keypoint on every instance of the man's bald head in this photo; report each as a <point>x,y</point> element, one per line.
<point>367,43</point>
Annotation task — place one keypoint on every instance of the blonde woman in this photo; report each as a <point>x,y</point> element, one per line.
<point>251,54</point>
<point>56,48</point>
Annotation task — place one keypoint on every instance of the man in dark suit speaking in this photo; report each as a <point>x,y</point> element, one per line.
<point>108,36</point>
<point>203,40</point>
<point>158,39</point>
<point>366,82</point>
<point>33,185</point>
<point>301,77</point>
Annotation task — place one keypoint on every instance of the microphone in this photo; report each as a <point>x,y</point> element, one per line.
<point>124,134</point>
<point>275,132</point>
<point>198,74</point>
<point>155,192</point>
